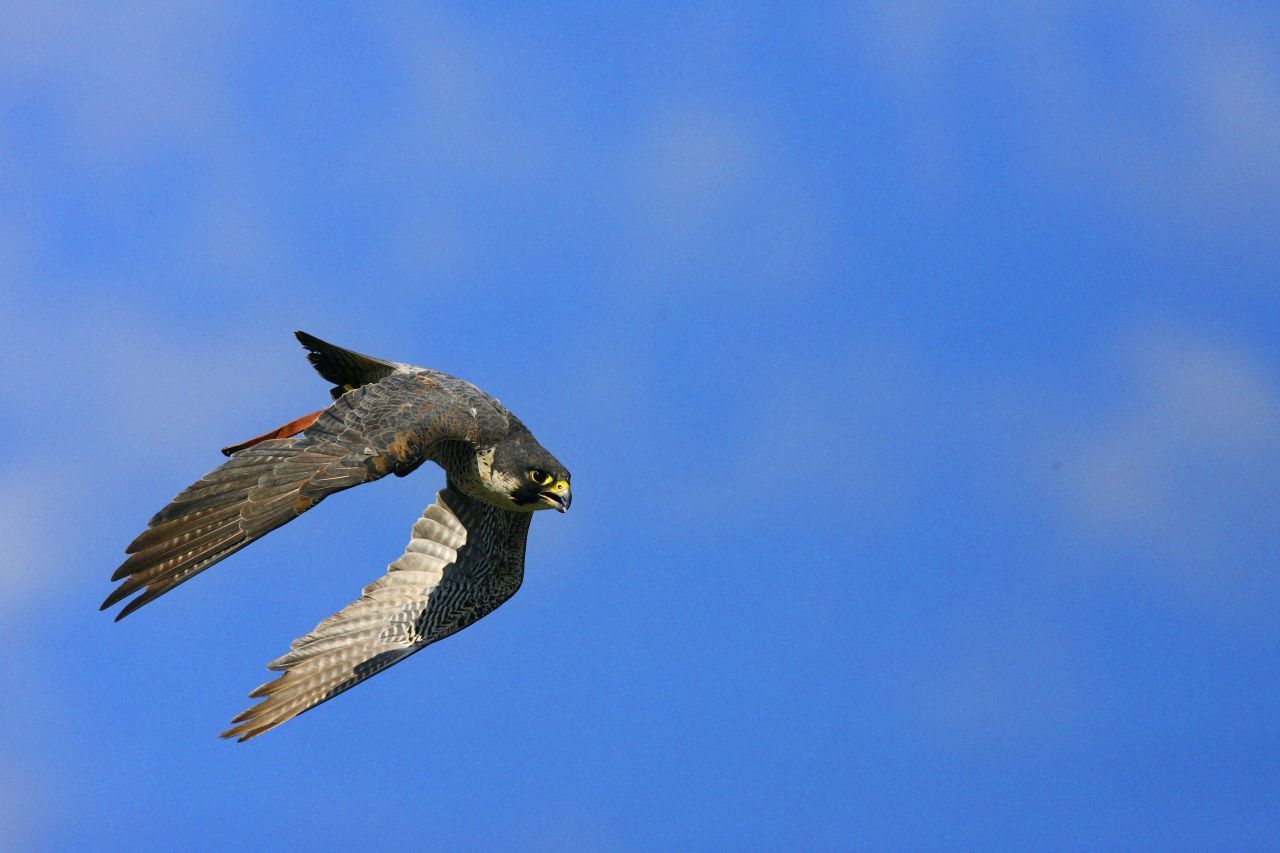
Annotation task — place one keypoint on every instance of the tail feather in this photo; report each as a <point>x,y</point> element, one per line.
<point>292,428</point>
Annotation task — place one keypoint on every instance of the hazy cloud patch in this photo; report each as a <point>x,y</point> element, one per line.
<point>24,809</point>
<point>693,164</point>
<point>128,377</point>
<point>1190,135</point>
<point>854,439</point>
<point>469,101</point>
<point>35,534</point>
<point>128,76</point>
<point>707,204</point>
<point>1181,463</point>
<point>996,682</point>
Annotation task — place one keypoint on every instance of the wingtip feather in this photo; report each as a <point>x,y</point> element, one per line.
<point>133,605</point>
<point>115,597</point>
<point>235,733</point>
<point>245,727</point>
<point>243,716</point>
<point>263,689</point>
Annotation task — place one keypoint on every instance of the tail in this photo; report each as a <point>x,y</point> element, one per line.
<point>291,428</point>
<point>251,494</point>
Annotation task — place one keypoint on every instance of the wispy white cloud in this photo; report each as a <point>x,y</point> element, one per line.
<point>852,439</point>
<point>1157,459</point>
<point>128,77</point>
<point>707,202</point>
<point>25,812</point>
<point>1180,464</point>
<point>102,398</point>
<point>113,369</point>
<point>691,167</point>
<point>33,537</point>
<point>467,101</point>
<point>120,88</point>
<point>1209,158</point>
<point>1188,136</point>
<point>17,257</point>
<point>996,683</point>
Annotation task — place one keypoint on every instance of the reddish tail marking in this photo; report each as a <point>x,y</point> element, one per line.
<point>291,428</point>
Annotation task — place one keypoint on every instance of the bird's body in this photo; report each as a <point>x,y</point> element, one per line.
<point>466,554</point>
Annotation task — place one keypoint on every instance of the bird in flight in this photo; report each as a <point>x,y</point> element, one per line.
<point>465,555</point>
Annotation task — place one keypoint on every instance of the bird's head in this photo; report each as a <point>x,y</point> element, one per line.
<point>530,477</point>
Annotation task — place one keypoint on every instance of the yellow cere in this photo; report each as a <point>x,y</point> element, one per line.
<point>560,486</point>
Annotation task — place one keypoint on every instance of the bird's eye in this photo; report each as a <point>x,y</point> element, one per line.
<point>541,478</point>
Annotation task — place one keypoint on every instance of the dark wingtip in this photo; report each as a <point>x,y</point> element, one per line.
<point>115,596</point>
<point>120,594</point>
<point>135,604</point>
<point>314,347</point>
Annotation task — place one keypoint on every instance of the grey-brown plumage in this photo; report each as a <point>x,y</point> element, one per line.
<point>466,554</point>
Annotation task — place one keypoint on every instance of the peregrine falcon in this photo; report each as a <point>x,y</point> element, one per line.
<point>465,555</point>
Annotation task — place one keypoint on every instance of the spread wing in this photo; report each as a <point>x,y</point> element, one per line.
<point>464,559</point>
<point>344,368</point>
<point>386,427</point>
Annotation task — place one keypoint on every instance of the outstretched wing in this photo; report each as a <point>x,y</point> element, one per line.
<point>344,368</point>
<point>464,559</point>
<point>387,427</point>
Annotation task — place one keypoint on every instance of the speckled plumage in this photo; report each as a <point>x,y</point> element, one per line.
<point>466,553</point>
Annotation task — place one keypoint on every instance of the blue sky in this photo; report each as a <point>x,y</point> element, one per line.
<point>917,366</point>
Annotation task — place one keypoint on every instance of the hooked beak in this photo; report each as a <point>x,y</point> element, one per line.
<point>558,500</point>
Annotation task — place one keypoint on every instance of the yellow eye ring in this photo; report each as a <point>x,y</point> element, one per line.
<point>540,478</point>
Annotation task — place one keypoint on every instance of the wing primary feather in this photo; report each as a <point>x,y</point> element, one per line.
<point>226,510</point>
